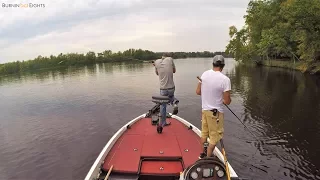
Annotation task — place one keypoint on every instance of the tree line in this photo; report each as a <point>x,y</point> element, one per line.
<point>278,29</point>
<point>75,59</point>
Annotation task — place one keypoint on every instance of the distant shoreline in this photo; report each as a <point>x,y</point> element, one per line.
<point>107,56</point>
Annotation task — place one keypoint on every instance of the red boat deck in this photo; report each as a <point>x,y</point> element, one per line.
<point>143,141</point>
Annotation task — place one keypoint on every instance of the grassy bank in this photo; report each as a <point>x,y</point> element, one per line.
<point>305,67</point>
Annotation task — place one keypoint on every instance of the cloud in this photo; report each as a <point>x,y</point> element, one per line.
<point>79,26</point>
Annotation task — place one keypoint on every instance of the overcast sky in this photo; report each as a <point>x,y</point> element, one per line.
<point>64,26</point>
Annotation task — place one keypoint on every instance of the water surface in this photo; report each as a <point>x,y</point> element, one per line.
<point>54,124</point>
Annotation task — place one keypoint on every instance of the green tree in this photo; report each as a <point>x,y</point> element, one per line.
<point>278,28</point>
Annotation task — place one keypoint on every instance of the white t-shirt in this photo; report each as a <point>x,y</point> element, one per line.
<point>214,83</point>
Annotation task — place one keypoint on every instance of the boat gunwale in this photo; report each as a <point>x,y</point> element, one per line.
<point>94,170</point>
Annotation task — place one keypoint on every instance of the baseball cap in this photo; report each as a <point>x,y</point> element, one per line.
<point>218,58</point>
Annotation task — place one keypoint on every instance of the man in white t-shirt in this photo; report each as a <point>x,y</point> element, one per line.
<point>214,89</point>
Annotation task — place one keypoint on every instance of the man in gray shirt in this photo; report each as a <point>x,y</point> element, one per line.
<point>165,68</point>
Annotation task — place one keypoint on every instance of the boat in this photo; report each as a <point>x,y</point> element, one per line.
<point>137,151</point>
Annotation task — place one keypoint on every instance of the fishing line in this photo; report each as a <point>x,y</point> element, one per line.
<point>200,80</point>
<point>253,137</point>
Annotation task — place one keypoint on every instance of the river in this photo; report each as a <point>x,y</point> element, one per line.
<point>54,124</point>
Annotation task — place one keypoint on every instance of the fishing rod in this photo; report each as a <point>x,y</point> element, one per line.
<point>222,146</point>
<point>235,115</point>
<point>223,152</point>
<point>240,121</point>
<point>247,129</point>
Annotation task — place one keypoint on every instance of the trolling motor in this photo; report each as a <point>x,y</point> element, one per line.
<point>153,111</point>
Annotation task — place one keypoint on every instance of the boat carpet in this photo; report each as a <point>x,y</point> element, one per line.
<point>143,141</point>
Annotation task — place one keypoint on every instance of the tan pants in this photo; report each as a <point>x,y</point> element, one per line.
<point>211,127</point>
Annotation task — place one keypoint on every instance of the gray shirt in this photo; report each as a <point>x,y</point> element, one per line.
<point>164,67</point>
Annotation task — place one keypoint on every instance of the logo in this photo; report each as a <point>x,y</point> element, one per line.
<point>21,5</point>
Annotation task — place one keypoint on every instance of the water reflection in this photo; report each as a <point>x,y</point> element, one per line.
<point>43,76</point>
<point>71,113</point>
<point>284,108</point>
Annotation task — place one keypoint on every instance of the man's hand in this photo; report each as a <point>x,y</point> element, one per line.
<point>198,90</point>
<point>156,71</point>
<point>173,67</point>
<point>226,97</point>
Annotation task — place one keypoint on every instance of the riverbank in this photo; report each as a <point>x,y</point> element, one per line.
<point>18,67</point>
<point>304,67</point>
<point>75,59</point>
<point>279,29</point>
